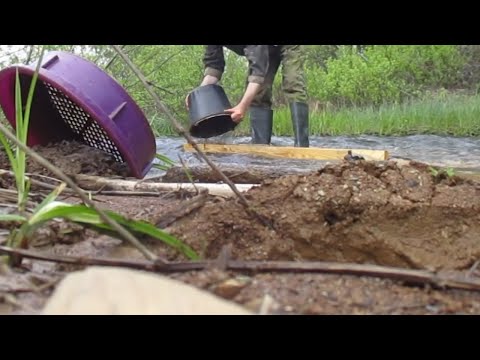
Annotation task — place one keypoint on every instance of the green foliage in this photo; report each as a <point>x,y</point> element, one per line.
<point>381,74</point>
<point>339,77</point>
<point>16,156</point>
<point>439,173</point>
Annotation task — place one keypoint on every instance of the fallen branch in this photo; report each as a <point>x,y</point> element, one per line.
<point>47,186</point>
<point>418,277</point>
<point>127,193</point>
<point>95,183</point>
<point>179,128</point>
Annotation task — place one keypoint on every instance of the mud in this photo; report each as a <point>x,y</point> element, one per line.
<point>72,158</point>
<point>384,213</point>
<point>389,213</point>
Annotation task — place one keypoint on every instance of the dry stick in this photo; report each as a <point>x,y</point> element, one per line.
<point>47,186</point>
<point>122,231</point>
<point>181,131</point>
<point>419,277</point>
<point>127,193</point>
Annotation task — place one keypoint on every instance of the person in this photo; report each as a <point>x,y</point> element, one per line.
<point>291,59</point>
<point>264,62</point>
<point>258,62</point>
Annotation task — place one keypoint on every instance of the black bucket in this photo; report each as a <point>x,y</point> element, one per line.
<point>207,106</point>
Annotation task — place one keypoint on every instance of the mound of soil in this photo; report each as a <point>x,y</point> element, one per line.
<point>72,158</point>
<point>363,212</point>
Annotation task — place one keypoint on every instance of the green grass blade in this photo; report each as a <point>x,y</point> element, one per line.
<point>161,167</point>
<point>165,159</point>
<point>86,215</point>
<point>151,230</point>
<point>8,150</point>
<point>51,197</point>
<point>20,160</point>
<point>30,99</point>
<point>12,217</point>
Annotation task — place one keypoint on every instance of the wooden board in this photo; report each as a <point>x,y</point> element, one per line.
<point>290,151</point>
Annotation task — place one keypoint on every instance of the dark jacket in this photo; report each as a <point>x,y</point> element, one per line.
<point>257,56</point>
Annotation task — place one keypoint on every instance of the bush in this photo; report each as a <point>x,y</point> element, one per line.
<point>381,73</point>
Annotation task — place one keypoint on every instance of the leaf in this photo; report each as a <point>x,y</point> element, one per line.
<point>86,215</point>
<point>12,217</point>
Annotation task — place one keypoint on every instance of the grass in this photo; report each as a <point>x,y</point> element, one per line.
<point>16,156</point>
<point>455,115</point>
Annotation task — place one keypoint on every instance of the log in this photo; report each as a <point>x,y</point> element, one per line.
<point>95,183</point>
<point>253,174</point>
<point>290,152</point>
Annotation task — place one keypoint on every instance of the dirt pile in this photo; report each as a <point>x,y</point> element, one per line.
<point>379,213</point>
<point>73,158</point>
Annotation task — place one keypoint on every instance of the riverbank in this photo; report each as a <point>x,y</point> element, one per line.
<point>450,114</point>
<point>391,214</point>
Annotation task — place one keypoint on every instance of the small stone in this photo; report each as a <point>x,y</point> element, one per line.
<point>231,287</point>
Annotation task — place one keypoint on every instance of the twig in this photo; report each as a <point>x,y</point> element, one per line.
<point>419,277</point>
<point>473,269</point>
<point>266,305</point>
<point>156,69</point>
<point>185,208</point>
<point>187,172</point>
<point>120,229</point>
<point>30,52</point>
<point>160,88</point>
<point>112,60</point>
<point>127,193</point>
<point>141,265</point>
<point>181,131</point>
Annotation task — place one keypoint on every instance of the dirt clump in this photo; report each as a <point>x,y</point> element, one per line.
<point>72,157</point>
<point>363,212</point>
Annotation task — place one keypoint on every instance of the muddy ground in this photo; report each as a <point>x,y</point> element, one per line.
<point>386,213</point>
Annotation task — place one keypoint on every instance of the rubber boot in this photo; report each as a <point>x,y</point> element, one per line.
<point>261,123</point>
<point>299,112</point>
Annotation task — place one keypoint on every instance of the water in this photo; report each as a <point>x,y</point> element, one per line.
<point>455,152</point>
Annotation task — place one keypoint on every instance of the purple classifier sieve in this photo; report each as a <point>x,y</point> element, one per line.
<point>76,100</point>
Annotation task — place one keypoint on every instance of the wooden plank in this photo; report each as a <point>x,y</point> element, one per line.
<point>290,151</point>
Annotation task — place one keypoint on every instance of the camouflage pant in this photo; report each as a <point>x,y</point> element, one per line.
<point>291,58</point>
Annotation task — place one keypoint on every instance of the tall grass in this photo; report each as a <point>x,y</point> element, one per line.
<point>18,161</point>
<point>454,115</point>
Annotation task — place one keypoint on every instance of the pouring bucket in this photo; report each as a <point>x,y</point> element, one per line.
<point>207,114</point>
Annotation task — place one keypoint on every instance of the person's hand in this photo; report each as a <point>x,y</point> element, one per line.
<point>237,112</point>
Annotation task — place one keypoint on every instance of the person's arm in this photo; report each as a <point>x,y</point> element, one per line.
<point>258,59</point>
<point>214,64</point>
<point>238,112</point>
